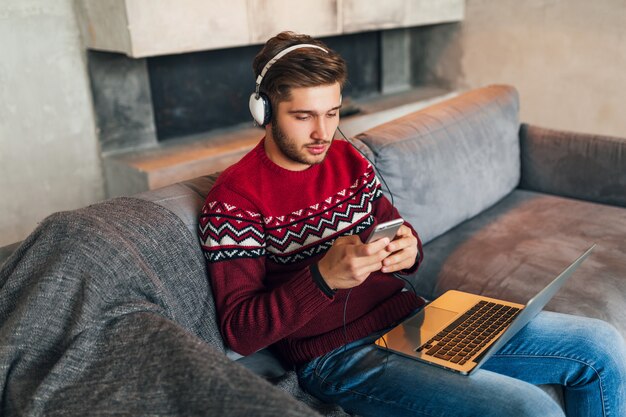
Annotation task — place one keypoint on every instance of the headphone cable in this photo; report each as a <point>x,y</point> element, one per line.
<point>382,177</point>
<point>396,275</point>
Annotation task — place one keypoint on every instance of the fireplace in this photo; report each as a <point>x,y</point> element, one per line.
<point>171,105</point>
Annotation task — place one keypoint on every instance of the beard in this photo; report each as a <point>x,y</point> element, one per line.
<point>296,152</point>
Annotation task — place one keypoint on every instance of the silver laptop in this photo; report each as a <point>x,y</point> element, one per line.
<point>459,331</point>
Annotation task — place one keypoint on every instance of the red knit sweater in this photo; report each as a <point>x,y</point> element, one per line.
<point>262,227</point>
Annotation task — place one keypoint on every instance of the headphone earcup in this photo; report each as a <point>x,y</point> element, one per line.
<point>260,108</point>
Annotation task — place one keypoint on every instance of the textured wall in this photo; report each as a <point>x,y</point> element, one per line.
<point>120,87</point>
<point>566,57</point>
<point>49,159</point>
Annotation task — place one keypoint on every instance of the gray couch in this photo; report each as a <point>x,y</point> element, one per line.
<point>108,307</point>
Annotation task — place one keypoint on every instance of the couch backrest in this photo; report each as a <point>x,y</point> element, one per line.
<point>448,162</point>
<point>185,199</point>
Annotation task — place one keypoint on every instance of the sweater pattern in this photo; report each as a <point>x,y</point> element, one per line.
<point>229,232</point>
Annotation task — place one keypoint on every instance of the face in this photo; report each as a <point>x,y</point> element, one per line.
<point>304,127</point>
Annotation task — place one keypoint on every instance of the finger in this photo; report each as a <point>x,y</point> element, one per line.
<point>369,249</point>
<point>404,231</point>
<point>347,240</point>
<point>398,266</point>
<point>366,269</point>
<point>396,262</point>
<point>402,243</point>
<point>401,255</point>
<point>364,265</point>
<point>393,268</point>
<point>398,257</point>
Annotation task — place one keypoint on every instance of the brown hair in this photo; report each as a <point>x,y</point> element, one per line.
<point>305,67</point>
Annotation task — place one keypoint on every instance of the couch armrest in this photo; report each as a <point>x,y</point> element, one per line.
<point>6,251</point>
<point>577,165</point>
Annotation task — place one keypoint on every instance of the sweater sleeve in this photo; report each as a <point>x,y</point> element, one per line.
<point>251,315</point>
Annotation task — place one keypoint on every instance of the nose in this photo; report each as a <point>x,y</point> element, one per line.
<point>321,129</point>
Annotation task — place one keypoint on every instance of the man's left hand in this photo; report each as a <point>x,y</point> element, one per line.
<point>403,251</point>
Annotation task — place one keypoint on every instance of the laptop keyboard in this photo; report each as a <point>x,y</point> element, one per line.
<point>468,334</point>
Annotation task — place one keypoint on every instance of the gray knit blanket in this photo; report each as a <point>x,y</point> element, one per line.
<point>108,310</point>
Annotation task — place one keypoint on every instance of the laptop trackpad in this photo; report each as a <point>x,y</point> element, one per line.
<point>433,319</point>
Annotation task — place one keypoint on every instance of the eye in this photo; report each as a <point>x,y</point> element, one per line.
<point>331,115</point>
<point>303,117</point>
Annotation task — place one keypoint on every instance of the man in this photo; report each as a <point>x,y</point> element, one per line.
<point>283,231</point>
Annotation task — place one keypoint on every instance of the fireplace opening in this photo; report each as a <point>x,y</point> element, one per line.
<point>203,91</point>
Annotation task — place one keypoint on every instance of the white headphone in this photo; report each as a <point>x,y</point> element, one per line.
<point>259,103</point>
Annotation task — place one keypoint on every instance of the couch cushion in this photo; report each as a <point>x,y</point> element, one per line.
<point>448,162</point>
<point>515,248</point>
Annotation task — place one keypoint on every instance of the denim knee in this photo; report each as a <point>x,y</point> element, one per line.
<point>527,401</point>
<point>605,348</point>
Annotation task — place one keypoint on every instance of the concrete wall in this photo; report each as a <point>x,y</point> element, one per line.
<point>49,157</point>
<point>566,57</point>
<point>142,28</point>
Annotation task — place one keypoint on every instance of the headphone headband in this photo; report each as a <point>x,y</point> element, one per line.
<point>279,55</point>
<point>259,103</point>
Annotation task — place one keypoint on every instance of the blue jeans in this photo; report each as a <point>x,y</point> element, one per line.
<point>586,356</point>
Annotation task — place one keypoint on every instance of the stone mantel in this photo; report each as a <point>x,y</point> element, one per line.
<point>143,28</point>
<point>133,172</point>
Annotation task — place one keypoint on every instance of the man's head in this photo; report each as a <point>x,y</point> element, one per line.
<point>304,91</point>
<point>302,67</point>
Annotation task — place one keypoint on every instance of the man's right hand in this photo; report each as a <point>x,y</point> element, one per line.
<point>349,261</point>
